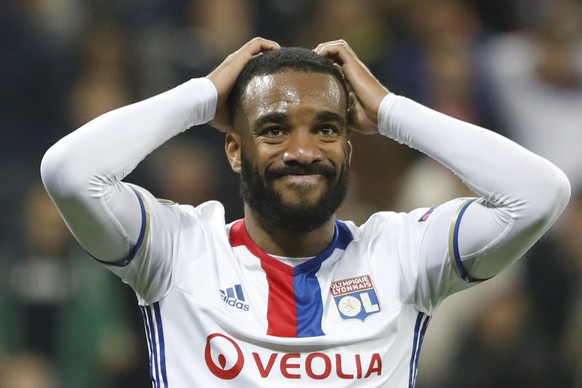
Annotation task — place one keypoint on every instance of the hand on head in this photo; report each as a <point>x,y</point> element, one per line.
<point>226,74</point>
<point>366,92</point>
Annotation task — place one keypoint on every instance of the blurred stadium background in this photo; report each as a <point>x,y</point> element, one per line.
<point>514,66</point>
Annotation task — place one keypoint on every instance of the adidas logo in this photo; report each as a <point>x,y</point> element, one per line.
<point>234,297</point>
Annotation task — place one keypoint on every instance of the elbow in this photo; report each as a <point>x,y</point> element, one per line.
<point>563,191</point>
<point>57,174</point>
<point>68,175</point>
<point>555,191</point>
<point>49,168</point>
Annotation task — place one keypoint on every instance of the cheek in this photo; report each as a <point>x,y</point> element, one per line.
<point>258,157</point>
<point>267,154</point>
<point>340,155</point>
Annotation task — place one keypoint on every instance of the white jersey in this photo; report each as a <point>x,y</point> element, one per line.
<point>219,311</point>
<point>228,314</point>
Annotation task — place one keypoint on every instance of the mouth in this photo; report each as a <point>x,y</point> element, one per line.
<point>302,179</point>
<point>301,172</point>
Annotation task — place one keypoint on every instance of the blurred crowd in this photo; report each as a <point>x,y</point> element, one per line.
<point>514,66</point>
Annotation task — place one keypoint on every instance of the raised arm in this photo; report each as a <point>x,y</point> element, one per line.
<point>83,172</point>
<point>521,194</point>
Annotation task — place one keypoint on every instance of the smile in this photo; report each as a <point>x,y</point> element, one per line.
<point>302,179</point>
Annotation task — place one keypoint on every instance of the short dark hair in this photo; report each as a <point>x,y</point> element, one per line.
<point>278,61</point>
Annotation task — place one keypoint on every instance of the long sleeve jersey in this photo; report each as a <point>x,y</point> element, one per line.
<point>219,311</point>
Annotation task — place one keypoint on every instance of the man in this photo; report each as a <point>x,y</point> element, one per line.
<point>290,295</point>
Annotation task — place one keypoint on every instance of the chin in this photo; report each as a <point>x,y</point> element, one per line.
<point>302,197</point>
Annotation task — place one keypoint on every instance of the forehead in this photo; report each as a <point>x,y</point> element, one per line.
<point>290,90</point>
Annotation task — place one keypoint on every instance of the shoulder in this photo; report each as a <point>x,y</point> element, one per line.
<point>384,229</point>
<point>405,226</point>
<point>209,216</point>
<point>206,210</point>
<point>168,217</point>
<point>383,220</point>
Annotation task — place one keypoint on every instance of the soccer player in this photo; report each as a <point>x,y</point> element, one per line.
<point>290,295</point>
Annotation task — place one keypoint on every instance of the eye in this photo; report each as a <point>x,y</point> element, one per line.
<point>272,131</point>
<point>328,130</point>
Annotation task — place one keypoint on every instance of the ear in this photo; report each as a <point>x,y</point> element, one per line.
<point>350,151</point>
<point>232,147</point>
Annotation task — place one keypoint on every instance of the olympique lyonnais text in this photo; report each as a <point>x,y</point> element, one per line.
<point>351,285</point>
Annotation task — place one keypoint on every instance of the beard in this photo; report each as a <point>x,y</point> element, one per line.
<point>260,195</point>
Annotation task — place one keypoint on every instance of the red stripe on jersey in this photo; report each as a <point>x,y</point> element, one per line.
<point>281,310</point>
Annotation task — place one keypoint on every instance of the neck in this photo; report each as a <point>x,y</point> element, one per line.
<point>280,243</point>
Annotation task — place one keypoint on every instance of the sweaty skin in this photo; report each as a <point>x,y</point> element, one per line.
<point>288,119</point>
<point>290,103</point>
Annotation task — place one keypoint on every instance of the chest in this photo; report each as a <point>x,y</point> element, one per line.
<point>348,292</point>
<point>340,318</point>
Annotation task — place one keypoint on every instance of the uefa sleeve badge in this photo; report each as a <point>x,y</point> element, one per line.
<point>355,298</point>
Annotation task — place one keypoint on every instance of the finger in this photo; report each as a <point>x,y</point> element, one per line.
<point>258,45</point>
<point>339,51</point>
<point>235,62</point>
<point>320,47</point>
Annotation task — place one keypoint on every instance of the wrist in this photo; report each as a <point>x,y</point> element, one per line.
<point>201,98</point>
<point>385,110</point>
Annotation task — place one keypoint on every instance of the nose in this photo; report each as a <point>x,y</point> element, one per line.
<point>302,148</point>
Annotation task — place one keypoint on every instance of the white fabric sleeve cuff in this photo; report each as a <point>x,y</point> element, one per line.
<point>387,105</point>
<point>201,94</point>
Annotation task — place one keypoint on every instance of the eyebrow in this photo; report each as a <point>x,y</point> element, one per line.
<point>275,118</point>
<point>282,118</point>
<point>327,116</point>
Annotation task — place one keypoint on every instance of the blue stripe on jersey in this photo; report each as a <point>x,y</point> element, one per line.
<point>456,253</point>
<point>420,327</point>
<point>162,343</point>
<point>148,339</point>
<point>295,306</point>
<point>308,303</point>
<point>156,347</point>
<point>343,236</point>
<point>142,229</point>
<point>463,273</point>
<point>308,300</point>
<point>142,234</point>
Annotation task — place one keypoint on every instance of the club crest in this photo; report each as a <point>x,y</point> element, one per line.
<point>355,298</point>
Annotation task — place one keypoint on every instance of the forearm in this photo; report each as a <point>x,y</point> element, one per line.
<point>83,171</point>
<point>521,193</point>
<point>493,166</point>
<point>114,143</point>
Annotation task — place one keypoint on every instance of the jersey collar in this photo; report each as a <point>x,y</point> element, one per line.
<point>341,239</point>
